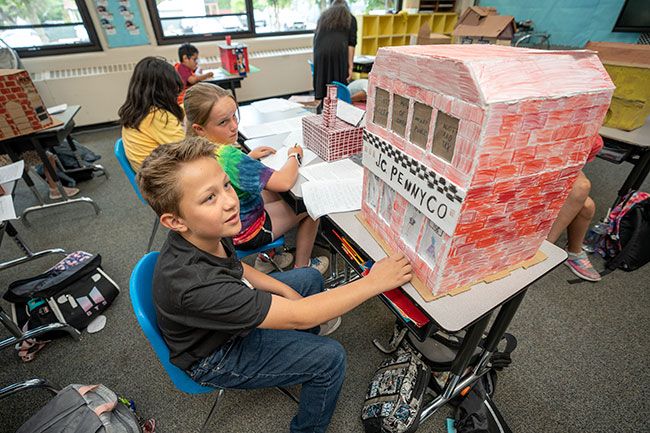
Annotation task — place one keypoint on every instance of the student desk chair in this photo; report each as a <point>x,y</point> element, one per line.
<point>130,175</point>
<point>140,289</point>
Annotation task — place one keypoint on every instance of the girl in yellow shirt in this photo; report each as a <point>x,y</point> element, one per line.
<point>151,115</point>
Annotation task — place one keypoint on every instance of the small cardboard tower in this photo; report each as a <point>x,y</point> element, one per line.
<point>466,166</point>
<point>22,110</point>
<point>328,136</point>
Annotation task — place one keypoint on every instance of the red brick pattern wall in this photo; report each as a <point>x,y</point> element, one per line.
<point>17,88</point>
<point>517,160</point>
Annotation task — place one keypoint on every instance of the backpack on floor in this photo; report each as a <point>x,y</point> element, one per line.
<point>74,291</point>
<point>395,396</point>
<point>476,412</point>
<point>83,409</point>
<point>626,245</point>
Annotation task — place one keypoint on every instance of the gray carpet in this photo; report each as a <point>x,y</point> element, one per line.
<point>581,364</point>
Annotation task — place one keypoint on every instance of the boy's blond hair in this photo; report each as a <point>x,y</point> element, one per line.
<point>198,103</point>
<point>158,175</point>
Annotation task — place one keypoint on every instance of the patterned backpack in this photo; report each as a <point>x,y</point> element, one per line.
<point>626,245</point>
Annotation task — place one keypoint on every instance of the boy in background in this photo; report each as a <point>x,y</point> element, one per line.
<point>227,324</point>
<point>188,56</point>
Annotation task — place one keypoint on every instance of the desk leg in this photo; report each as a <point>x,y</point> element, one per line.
<point>454,383</point>
<point>82,164</point>
<point>29,254</point>
<point>66,200</point>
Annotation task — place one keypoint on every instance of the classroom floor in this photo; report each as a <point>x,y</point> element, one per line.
<point>581,364</point>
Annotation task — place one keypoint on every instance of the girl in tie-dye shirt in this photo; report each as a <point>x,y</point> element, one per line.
<point>213,113</point>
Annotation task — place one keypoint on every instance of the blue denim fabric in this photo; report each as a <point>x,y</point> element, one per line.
<point>268,357</point>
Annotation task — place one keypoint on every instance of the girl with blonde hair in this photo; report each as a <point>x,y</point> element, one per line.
<point>211,112</point>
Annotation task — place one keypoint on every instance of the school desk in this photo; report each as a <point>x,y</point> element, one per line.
<point>633,147</point>
<point>39,141</point>
<point>225,79</point>
<point>470,311</point>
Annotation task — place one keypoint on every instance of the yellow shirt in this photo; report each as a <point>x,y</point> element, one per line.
<point>159,127</point>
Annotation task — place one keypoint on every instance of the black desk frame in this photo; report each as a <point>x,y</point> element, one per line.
<point>38,141</point>
<point>639,157</point>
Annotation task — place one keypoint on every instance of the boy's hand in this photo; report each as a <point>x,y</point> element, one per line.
<point>210,74</point>
<point>390,272</point>
<point>261,152</point>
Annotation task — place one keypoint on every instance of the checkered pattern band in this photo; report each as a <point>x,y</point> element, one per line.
<point>433,180</point>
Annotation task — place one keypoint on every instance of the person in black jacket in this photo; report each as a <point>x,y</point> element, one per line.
<point>334,42</point>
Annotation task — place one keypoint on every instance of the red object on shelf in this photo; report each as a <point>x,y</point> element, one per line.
<point>234,58</point>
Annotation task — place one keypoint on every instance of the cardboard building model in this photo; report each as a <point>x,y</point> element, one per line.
<point>328,136</point>
<point>482,25</point>
<point>22,110</point>
<point>466,166</point>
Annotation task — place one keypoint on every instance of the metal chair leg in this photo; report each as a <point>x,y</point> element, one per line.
<point>214,408</point>
<point>18,335</point>
<point>288,394</point>
<point>275,265</point>
<point>156,223</point>
<point>28,384</point>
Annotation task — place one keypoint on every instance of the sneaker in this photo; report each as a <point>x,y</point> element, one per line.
<point>330,326</point>
<point>582,267</point>
<point>283,260</point>
<point>320,263</point>
<point>70,192</point>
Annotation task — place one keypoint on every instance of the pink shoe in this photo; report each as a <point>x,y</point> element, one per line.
<point>582,267</point>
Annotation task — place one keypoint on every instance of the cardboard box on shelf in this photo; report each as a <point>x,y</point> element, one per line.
<point>22,110</point>
<point>425,37</point>
<point>482,25</point>
<point>628,65</point>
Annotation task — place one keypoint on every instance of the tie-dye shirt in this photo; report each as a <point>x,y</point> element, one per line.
<point>249,177</point>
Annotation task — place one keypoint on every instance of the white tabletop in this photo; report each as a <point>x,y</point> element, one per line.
<point>248,116</point>
<point>454,313</point>
<point>638,137</point>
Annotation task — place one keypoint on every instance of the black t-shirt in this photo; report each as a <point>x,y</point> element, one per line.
<point>201,301</point>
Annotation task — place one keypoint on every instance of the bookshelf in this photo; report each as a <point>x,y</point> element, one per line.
<point>376,31</point>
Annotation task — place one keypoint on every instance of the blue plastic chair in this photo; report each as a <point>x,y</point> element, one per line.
<point>342,92</point>
<point>130,175</point>
<point>140,289</point>
<point>278,243</point>
<point>311,66</point>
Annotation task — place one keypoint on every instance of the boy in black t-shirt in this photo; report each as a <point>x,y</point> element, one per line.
<point>227,324</point>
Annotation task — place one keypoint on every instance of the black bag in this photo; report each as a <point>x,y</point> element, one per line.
<point>76,164</point>
<point>626,245</point>
<point>395,396</point>
<point>476,412</point>
<point>83,409</point>
<point>74,291</point>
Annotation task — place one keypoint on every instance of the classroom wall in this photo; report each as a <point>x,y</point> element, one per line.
<point>98,80</point>
<point>572,23</point>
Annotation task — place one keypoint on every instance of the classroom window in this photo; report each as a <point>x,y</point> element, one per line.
<point>176,21</point>
<point>47,27</point>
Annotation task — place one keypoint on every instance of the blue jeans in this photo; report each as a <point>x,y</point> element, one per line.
<point>269,357</point>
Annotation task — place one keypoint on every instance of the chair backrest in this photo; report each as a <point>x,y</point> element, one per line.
<point>120,154</point>
<point>342,92</point>
<point>140,288</point>
<point>311,66</point>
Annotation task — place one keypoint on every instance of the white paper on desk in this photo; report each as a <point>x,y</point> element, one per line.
<point>275,141</point>
<point>294,137</point>
<point>12,171</point>
<point>339,170</point>
<point>274,105</point>
<point>324,197</point>
<point>272,128</point>
<point>349,113</point>
<point>279,158</point>
<point>7,211</point>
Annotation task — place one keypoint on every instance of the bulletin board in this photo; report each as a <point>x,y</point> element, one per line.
<point>121,22</point>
